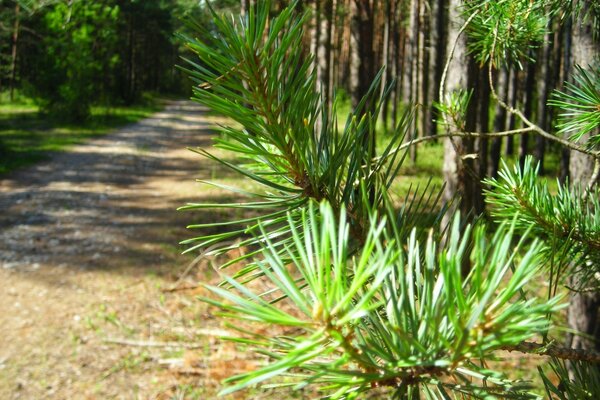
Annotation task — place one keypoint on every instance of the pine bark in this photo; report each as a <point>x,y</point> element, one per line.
<point>583,307</point>
<point>499,122</point>
<point>513,86</point>
<point>363,52</point>
<point>15,42</point>
<point>543,85</point>
<point>527,110</point>
<point>460,172</point>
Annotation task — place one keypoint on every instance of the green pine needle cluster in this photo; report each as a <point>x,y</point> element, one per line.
<point>585,382</point>
<point>256,74</point>
<point>354,293</point>
<point>579,106</point>
<point>569,225</point>
<point>396,314</point>
<point>504,31</point>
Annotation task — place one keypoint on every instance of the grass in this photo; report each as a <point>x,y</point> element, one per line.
<point>27,136</point>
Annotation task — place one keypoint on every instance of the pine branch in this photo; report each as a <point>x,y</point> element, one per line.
<point>566,143</point>
<point>551,350</point>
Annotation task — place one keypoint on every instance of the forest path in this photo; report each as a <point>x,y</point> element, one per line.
<point>88,240</point>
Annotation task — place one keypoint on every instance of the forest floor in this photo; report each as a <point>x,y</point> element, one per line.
<point>88,261</point>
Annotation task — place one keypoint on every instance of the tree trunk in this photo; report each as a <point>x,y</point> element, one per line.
<point>543,84</point>
<point>459,174</point>
<point>499,122</point>
<point>363,59</point>
<point>321,37</point>
<point>15,42</point>
<point>565,70</point>
<point>415,77</point>
<point>583,307</point>
<point>386,58</point>
<point>527,110</point>
<point>483,125</point>
<point>513,86</point>
<point>396,60</point>
<point>436,60</point>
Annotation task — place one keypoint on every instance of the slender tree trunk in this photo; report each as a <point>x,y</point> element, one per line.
<point>543,83</point>
<point>386,50</point>
<point>15,42</point>
<point>345,46</point>
<point>415,76</point>
<point>565,162</point>
<point>456,169</point>
<point>483,125</point>
<point>513,86</point>
<point>583,307</point>
<point>364,56</point>
<point>396,60</point>
<point>436,60</point>
<point>499,122</point>
<point>331,51</point>
<point>528,110</point>
<point>424,66</point>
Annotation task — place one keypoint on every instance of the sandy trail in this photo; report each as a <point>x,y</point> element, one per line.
<point>87,241</point>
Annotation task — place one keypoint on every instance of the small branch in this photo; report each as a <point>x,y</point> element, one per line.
<point>143,343</point>
<point>593,179</point>
<point>534,127</point>
<point>451,56</point>
<point>180,288</point>
<point>457,134</point>
<point>551,350</point>
<point>204,253</point>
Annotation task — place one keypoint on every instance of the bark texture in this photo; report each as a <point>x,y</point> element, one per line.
<point>461,171</point>
<point>583,307</point>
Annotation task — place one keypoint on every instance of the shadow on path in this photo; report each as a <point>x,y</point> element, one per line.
<point>110,203</point>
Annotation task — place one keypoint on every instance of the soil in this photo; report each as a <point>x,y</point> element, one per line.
<point>88,255</point>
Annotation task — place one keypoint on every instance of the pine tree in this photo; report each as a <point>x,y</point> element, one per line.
<point>371,296</point>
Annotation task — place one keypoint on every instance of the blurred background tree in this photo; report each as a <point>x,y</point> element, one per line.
<point>71,54</point>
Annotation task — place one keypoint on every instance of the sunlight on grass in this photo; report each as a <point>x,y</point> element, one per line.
<point>27,136</point>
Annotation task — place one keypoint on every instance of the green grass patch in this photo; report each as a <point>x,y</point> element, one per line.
<point>27,136</point>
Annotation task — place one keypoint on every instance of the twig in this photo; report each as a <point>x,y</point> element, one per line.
<point>144,343</point>
<point>552,350</point>
<point>451,56</point>
<point>176,288</point>
<point>191,371</point>
<point>534,127</point>
<point>457,134</point>
<point>593,179</point>
<point>190,266</point>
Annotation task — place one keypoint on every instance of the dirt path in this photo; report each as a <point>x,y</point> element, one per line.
<point>87,242</point>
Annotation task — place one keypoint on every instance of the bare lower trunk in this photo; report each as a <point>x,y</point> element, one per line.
<point>543,85</point>
<point>583,307</point>
<point>499,123</point>
<point>528,110</point>
<point>460,173</point>
<point>15,42</point>
<point>513,85</point>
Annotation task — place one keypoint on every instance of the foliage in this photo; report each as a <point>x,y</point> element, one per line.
<point>569,223</point>
<point>364,295</point>
<point>74,54</point>
<point>256,76</point>
<point>396,314</point>
<point>584,384</point>
<point>579,105</point>
<point>29,137</point>
<point>79,45</point>
<point>504,31</point>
